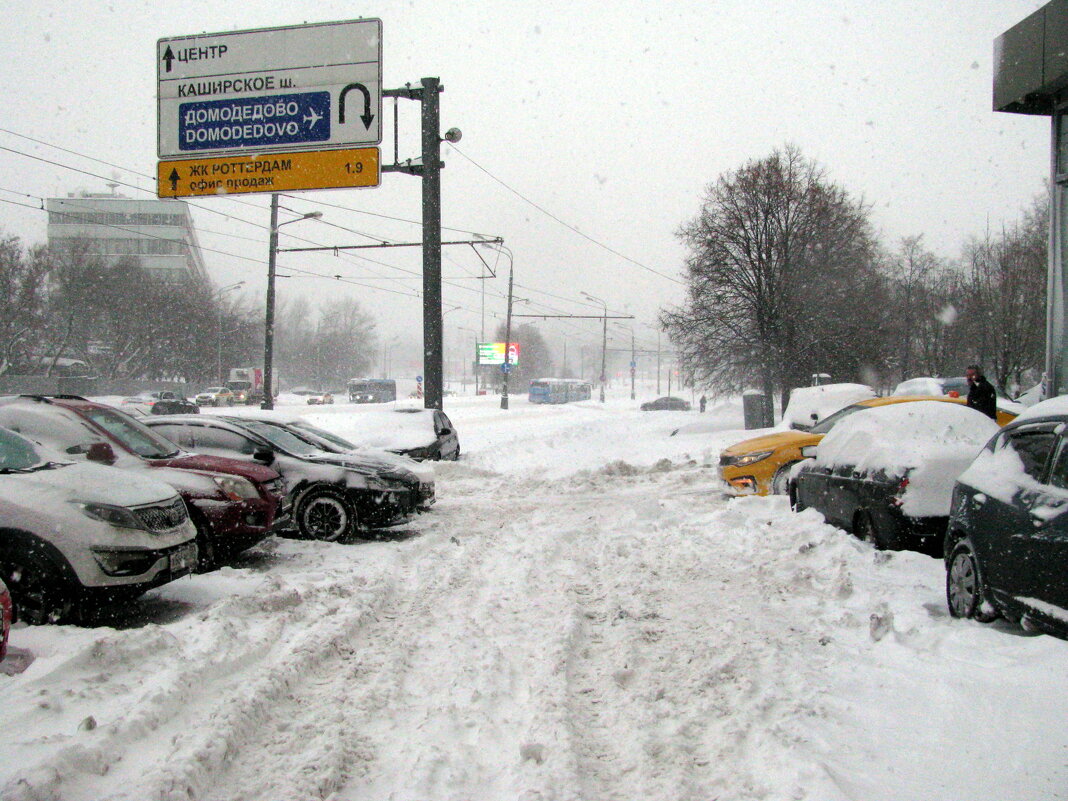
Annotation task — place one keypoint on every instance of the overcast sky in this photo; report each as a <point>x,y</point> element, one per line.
<point>612,117</point>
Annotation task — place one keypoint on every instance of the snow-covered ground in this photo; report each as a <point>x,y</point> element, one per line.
<point>584,615</point>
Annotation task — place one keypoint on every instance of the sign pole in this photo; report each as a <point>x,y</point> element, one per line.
<point>268,330</point>
<point>506,367</point>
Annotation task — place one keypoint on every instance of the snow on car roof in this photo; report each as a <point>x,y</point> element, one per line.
<point>397,428</point>
<point>1053,406</point>
<point>901,436</point>
<point>822,401</point>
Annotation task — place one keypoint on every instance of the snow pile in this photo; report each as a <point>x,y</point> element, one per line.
<point>919,386</point>
<point>821,401</point>
<point>1047,408</point>
<point>930,441</point>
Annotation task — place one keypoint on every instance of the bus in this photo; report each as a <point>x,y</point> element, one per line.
<point>559,390</point>
<point>372,390</point>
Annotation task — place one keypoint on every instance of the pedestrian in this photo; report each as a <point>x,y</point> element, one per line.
<point>703,402</point>
<point>981,396</point>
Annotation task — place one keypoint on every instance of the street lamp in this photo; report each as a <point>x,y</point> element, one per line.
<point>474,336</point>
<point>218,351</point>
<point>268,338</point>
<point>506,367</point>
<point>604,336</point>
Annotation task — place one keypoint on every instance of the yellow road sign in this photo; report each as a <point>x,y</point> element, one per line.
<point>272,172</point>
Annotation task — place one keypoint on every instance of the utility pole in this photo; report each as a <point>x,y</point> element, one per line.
<point>604,337</point>
<point>633,364</point>
<point>507,338</point>
<point>658,362</point>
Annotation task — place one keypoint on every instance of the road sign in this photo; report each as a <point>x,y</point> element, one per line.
<point>507,367</point>
<point>275,172</point>
<point>302,87</point>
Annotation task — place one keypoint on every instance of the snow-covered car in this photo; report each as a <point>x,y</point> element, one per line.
<point>1006,547</point>
<point>6,611</point>
<point>887,473</point>
<point>162,402</point>
<point>666,404</point>
<point>320,399</point>
<point>333,495</point>
<point>215,396</point>
<point>422,472</point>
<point>76,533</point>
<point>233,504</point>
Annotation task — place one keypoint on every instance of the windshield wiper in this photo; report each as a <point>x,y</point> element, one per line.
<point>46,466</point>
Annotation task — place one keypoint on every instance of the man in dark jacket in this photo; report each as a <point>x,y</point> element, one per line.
<point>981,392</point>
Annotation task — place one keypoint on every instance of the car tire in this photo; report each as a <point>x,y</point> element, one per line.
<point>865,528</point>
<point>795,500</point>
<point>965,590</point>
<point>39,592</point>
<point>781,480</point>
<point>207,557</point>
<point>325,513</point>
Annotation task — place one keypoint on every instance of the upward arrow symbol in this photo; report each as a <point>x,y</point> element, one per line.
<point>168,56</point>
<point>173,178</point>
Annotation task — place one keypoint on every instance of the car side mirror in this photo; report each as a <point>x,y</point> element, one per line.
<point>263,455</point>
<point>815,417</point>
<point>100,452</point>
<point>445,432</point>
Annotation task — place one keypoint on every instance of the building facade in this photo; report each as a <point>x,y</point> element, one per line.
<point>158,234</point>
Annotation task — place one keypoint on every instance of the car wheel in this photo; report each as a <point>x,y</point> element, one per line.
<point>795,500</point>
<point>325,513</point>
<point>865,528</point>
<point>781,479</point>
<point>207,559</point>
<point>965,591</point>
<point>39,592</point>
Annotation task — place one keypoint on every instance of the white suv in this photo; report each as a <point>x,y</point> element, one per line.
<point>79,534</point>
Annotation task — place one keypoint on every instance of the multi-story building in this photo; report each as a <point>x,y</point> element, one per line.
<point>158,234</point>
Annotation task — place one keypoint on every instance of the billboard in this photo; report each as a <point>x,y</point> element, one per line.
<point>493,353</point>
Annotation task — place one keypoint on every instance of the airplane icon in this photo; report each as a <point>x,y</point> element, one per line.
<point>314,116</point>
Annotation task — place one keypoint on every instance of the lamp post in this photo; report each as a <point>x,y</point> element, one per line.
<point>474,338</point>
<point>633,352</point>
<point>604,336</point>
<point>268,337</point>
<point>506,367</point>
<point>218,344</point>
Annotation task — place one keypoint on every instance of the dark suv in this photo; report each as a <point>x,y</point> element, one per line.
<point>232,503</point>
<point>1006,547</point>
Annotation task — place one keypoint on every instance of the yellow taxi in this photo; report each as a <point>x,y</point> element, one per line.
<point>761,465</point>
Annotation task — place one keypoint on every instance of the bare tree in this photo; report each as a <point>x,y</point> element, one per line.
<point>781,261</point>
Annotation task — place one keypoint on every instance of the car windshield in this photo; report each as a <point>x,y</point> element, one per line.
<point>132,435</point>
<point>333,439</point>
<point>280,438</point>
<point>827,423</point>
<point>18,454</point>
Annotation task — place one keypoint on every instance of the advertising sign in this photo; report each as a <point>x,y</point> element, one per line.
<point>493,353</point>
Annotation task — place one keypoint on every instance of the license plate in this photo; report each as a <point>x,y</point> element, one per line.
<point>184,558</point>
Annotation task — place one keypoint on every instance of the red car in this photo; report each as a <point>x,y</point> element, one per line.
<point>233,503</point>
<point>5,618</point>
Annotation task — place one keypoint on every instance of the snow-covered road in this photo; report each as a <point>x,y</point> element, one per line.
<point>584,615</point>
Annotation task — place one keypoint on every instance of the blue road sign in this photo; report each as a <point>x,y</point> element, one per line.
<point>254,121</point>
<point>506,367</point>
<point>419,379</point>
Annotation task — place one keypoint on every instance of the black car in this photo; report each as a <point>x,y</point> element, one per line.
<point>886,473</point>
<point>666,404</point>
<point>174,405</point>
<point>1006,549</point>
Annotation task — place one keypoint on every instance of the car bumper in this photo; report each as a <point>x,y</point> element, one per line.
<point>238,525</point>
<point>744,481</point>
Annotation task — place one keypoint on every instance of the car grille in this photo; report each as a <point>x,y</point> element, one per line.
<point>426,491</point>
<point>163,516</point>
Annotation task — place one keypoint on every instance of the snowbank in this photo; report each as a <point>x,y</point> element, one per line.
<point>931,441</point>
<point>821,401</point>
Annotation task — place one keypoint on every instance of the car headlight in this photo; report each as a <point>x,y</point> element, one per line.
<point>236,488</point>
<point>108,513</point>
<point>750,458</point>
